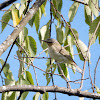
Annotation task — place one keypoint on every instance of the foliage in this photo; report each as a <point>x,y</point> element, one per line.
<point>65,34</point>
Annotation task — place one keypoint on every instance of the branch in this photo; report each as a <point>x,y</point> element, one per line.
<point>10,39</point>
<point>43,89</point>
<point>79,1</point>
<point>6,3</point>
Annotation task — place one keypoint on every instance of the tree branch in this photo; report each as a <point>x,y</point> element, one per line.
<point>79,1</point>
<point>10,39</point>
<point>6,3</point>
<point>43,89</point>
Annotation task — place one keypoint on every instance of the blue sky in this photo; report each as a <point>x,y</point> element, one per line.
<point>83,30</point>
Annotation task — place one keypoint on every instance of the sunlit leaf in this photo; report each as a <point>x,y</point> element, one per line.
<point>84,49</point>
<point>64,69</point>
<point>45,96</point>
<point>93,27</point>
<point>5,19</point>
<point>88,17</point>
<point>72,11</point>
<point>29,77</point>
<point>60,35</point>
<point>93,4</point>
<point>36,96</point>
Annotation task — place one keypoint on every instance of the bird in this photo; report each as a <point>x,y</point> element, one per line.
<point>59,53</point>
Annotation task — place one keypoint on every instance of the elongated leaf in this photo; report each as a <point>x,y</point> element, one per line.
<point>93,27</point>
<point>45,96</point>
<point>64,68</point>
<point>72,11</point>
<point>36,96</point>
<point>5,19</point>
<point>60,35</point>
<point>88,17</point>
<point>83,48</point>
<point>29,77</point>
<point>44,33</point>
<point>30,46</point>
<point>93,4</point>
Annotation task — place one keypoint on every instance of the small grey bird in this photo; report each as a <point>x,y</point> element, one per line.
<point>59,53</point>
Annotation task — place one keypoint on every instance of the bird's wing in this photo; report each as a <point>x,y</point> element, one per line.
<point>65,53</point>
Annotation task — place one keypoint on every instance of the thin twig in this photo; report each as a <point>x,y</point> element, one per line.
<point>90,77</point>
<point>80,1</point>
<point>96,70</point>
<point>7,23</point>
<point>68,85</point>
<point>95,5</point>
<point>31,63</point>
<point>89,44</point>
<point>78,80</point>
<point>37,67</point>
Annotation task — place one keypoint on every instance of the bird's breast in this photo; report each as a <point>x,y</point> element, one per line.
<point>54,53</point>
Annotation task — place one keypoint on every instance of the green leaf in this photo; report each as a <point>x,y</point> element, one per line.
<point>97,90</point>
<point>69,42</point>
<point>48,76</point>
<point>44,34</point>
<point>30,46</point>
<point>45,96</point>
<point>6,70</point>
<point>64,69</point>
<point>9,82</point>
<point>37,20</point>
<point>43,9</point>
<point>24,95</point>
<point>23,81</point>
<point>93,4</point>
<point>75,33</point>
<point>31,22</point>
<point>36,96</point>
<point>72,11</point>
<point>29,77</point>
<point>83,48</point>
<point>92,29</point>
<point>67,30</point>
<point>5,19</point>
<point>60,35</point>
<point>88,17</point>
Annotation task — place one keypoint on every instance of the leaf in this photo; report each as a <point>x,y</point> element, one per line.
<point>48,76</point>
<point>24,95</point>
<point>92,29</point>
<point>60,35</point>
<point>88,17</point>
<point>5,19</point>
<point>69,43</point>
<point>30,46</point>
<point>23,81</point>
<point>43,9</point>
<point>29,77</point>
<point>15,17</point>
<point>45,96</point>
<point>64,69</point>
<point>37,20</point>
<point>83,48</point>
<point>93,4</point>
<point>6,70</point>
<point>97,90</point>
<point>72,11</point>
<point>36,96</point>
<point>44,34</point>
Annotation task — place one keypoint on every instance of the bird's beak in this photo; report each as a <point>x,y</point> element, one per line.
<point>44,40</point>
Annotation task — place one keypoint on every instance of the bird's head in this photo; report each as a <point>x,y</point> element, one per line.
<point>50,41</point>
